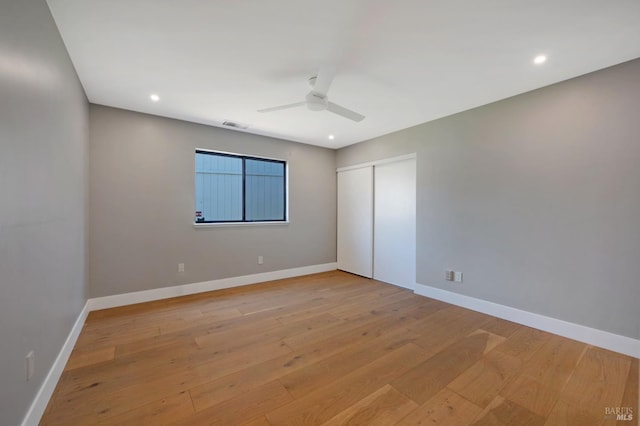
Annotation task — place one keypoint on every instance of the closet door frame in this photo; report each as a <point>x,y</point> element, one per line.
<point>394,232</point>
<point>342,264</point>
<point>355,221</point>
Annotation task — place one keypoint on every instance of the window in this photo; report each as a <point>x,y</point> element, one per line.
<point>237,188</point>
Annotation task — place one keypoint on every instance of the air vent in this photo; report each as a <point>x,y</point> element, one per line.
<point>234,125</point>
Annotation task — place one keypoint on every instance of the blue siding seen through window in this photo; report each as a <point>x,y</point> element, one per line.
<point>219,187</point>
<point>264,186</point>
<point>230,188</point>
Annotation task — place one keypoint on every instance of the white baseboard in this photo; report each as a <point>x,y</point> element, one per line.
<point>185,289</point>
<point>41,400</point>
<point>592,336</point>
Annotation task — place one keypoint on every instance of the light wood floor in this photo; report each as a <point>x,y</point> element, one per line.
<point>331,349</point>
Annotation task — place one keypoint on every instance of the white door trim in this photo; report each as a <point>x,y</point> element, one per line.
<point>377,162</point>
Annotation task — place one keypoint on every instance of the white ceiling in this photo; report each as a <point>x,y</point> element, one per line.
<point>399,63</point>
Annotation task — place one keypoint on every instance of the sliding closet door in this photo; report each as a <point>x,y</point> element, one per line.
<point>395,223</point>
<point>355,221</point>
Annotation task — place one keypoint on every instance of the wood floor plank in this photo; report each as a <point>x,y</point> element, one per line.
<point>245,407</point>
<point>169,355</point>
<point>104,400</point>
<point>383,407</point>
<point>446,408</point>
<point>565,415</point>
<point>233,384</point>
<point>524,342</point>
<point>555,361</point>
<point>304,339</point>
<point>598,383</point>
<point>169,327</point>
<point>258,421</point>
<point>425,380</point>
<point>501,327</point>
<point>305,329</point>
<point>235,327</point>
<point>493,340</point>
<point>286,299</point>
<point>388,335</point>
<point>356,308</point>
<point>484,380</point>
<point>156,343</point>
<point>215,391</point>
<point>99,339</point>
<point>531,394</point>
<point>124,371</point>
<point>330,347</point>
<point>319,299</point>
<point>306,379</point>
<point>404,309</point>
<point>316,303</point>
<point>324,403</point>
<point>171,409</point>
<point>630,398</point>
<point>80,358</point>
<point>600,365</point>
<point>446,326</point>
<point>140,320</point>
<point>505,413</point>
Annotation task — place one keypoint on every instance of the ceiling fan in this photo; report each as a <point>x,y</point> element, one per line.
<point>317,100</point>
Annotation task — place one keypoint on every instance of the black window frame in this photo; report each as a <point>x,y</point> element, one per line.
<point>244,192</point>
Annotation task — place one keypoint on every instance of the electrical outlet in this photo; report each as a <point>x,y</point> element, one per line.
<point>31,364</point>
<point>457,277</point>
<point>260,260</point>
<point>448,275</point>
<point>180,267</point>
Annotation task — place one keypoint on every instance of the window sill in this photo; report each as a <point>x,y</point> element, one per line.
<point>228,224</point>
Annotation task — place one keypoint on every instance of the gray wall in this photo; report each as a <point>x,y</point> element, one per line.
<point>142,206</point>
<point>536,199</point>
<point>43,150</point>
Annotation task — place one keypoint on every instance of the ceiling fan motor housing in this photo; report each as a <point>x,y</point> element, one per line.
<point>316,102</point>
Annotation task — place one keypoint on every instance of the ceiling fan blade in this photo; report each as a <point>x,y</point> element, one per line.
<point>344,112</point>
<point>324,79</point>
<point>278,108</point>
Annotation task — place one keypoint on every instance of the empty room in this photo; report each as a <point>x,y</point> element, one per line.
<point>319,213</point>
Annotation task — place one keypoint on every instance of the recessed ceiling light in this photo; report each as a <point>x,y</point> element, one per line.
<point>154,97</point>
<point>540,59</point>
<point>331,137</point>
